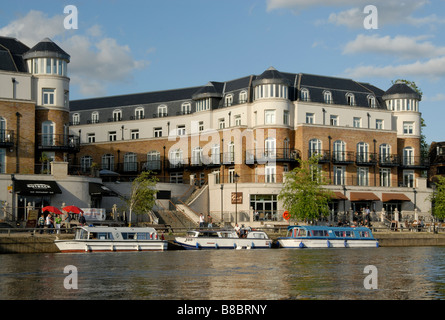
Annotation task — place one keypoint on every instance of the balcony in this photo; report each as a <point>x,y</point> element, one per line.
<point>323,155</point>
<point>262,156</point>
<point>392,160</point>
<point>6,138</point>
<point>415,163</point>
<point>58,142</point>
<point>366,159</point>
<point>343,157</point>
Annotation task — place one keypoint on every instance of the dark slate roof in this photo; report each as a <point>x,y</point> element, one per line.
<point>271,75</point>
<point>211,89</point>
<point>401,88</point>
<point>11,55</point>
<point>133,99</point>
<point>46,48</point>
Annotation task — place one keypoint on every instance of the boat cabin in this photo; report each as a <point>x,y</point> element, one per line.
<point>110,233</point>
<point>321,232</point>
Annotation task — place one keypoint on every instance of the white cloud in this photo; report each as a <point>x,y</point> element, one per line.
<point>351,11</point>
<point>399,46</point>
<point>96,60</point>
<point>433,68</point>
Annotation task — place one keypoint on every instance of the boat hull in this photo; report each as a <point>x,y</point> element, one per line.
<point>67,246</point>
<point>327,243</point>
<point>230,243</point>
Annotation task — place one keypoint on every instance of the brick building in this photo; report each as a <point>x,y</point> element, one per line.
<point>238,138</point>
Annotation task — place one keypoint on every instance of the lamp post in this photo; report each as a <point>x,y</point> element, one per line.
<point>222,203</point>
<point>236,176</point>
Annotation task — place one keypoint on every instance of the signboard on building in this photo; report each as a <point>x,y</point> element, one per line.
<point>33,215</point>
<point>96,214</point>
<point>237,198</point>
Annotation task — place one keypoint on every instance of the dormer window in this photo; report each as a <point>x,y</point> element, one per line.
<point>162,111</point>
<point>304,94</point>
<point>243,97</point>
<point>371,102</point>
<point>228,101</point>
<point>139,113</point>
<point>350,99</point>
<point>327,97</point>
<point>76,119</point>
<point>117,115</point>
<point>186,108</point>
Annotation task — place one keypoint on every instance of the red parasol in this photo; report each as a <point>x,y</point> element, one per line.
<point>72,209</point>
<point>51,209</point>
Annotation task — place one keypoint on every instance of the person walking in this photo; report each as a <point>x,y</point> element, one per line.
<point>67,222</point>
<point>41,223</point>
<point>201,220</point>
<point>49,223</point>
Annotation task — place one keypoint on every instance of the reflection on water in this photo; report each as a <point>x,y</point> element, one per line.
<point>403,273</point>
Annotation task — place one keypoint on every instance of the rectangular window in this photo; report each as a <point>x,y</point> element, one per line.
<point>112,136</point>
<point>157,132</point>
<point>181,130</point>
<point>362,176</point>
<point>201,126</point>
<point>176,177</point>
<point>339,175</point>
<point>286,118</point>
<point>357,122</point>
<point>385,177</point>
<point>379,124</point>
<point>310,118</point>
<point>408,127</point>
<point>269,116</point>
<point>238,120</point>
<point>91,137</point>
<point>221,123</point>
<point>48,96</point>
<point>134,134</point>
<point>408,178</point>
<point>334,120</point>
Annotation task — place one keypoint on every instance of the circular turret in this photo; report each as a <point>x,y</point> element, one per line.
<point>271,84</point>
<point>401,97</point>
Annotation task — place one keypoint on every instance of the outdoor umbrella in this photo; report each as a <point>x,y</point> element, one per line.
<point>72,209</point>
<point>51,209</point>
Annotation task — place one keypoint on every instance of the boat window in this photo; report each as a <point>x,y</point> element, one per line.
<point>191,234</point>
<point>257,235</point>
<point>320,233</point>
<point>128,235</point>
<point>144,236</point>
<point>344,234</point>
<point>81,234</point>
<point>302,232</point>
<point>101,235</point>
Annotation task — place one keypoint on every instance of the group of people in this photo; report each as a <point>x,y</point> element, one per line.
<point>203,221</point>
<point>50,223</point>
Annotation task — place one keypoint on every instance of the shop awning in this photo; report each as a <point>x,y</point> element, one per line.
<point>339,196</point>
<point>36,188</point>
<point>363,196</point>
<point>394,197</point>
<point>98,189</point>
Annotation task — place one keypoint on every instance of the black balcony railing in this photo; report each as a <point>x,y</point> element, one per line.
<point>323,155</point>
<point>391,160</point>
<point>366,159</point>
<point>414,162</point>
<point>343,157</point>
<point>58,142</point>
<point>272,155</point>
<point>6,138</point>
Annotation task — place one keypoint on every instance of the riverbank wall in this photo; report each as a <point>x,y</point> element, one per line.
<point>44,243</point>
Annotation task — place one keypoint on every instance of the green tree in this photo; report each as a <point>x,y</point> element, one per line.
<point>437,198</point>
<point>303,194</point>
<point>142,195</point>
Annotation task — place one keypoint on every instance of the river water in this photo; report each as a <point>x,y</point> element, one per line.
<point>321,274</point>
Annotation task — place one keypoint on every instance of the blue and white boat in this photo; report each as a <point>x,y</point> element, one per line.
<point>328,237</point>
<point>224,239</point>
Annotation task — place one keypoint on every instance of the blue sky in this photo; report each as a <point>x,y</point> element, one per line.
<point>123,47</point>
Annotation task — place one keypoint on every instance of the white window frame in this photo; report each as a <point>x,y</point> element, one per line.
<point>48,96</point>
<point>269,116</point>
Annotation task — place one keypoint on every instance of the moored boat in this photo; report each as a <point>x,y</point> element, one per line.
<point>328,237</point>
<point>224,239</point>
<point>111,239</point>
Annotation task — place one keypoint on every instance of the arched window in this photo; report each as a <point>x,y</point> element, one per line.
<point>362,152</point>
<point>304,95</point>
<point>243,97</point>
<point>153,161</point>
<point>228,101</point>
<point>327,95</point>
<point>350,99</point>
<point>314,147</point>
<point>130,162</point>
<point>197,156</point>
<point>76,119</point>
<point>95,117</point>
<point>117,115</point>
<point>162,111</point>
<point>139,113</point>
<point>175,158</point>
<point>371,101</point>
<point>408,156</point>
<point>186,108</point>
<point>339,151</point>
<point>3,133</point>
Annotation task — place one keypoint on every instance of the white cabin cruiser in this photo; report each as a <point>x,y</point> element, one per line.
<point>110,239</point>
<point>224,239</point>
